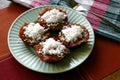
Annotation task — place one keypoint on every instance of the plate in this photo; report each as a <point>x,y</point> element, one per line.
<point>26,55</point>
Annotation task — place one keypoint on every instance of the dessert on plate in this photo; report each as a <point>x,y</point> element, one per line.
<point>73,35</point>
<point>51,50</point>
<point>53,18</point>
<point>33,33</point>
<point>48,47</point>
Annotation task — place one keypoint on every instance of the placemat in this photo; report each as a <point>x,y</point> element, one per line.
<point>10,69</point>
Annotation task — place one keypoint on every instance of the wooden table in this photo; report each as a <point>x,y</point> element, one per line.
<point>104,59</point>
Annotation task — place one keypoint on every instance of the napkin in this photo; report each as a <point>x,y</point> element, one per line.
<point>4,3</point>
<point>110,9</point>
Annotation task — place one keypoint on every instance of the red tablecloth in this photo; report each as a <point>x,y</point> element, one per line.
<point>104,59</point>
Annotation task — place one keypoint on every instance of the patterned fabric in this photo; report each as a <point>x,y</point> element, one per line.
<point>36,3</point>
<point>110,9</point>
<point>32,3</point>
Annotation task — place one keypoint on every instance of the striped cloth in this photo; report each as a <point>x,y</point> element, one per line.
<point>110,9</point>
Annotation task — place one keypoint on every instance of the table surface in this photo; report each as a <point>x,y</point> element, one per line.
<point>104,59</point>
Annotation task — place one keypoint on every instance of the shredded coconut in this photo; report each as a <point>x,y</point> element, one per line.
<point>53,16</point>
<point>72,33</point>
<point>34,31</point>
<point>52,47</point>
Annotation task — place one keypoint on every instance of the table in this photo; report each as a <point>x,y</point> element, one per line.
<point>104,59</point>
